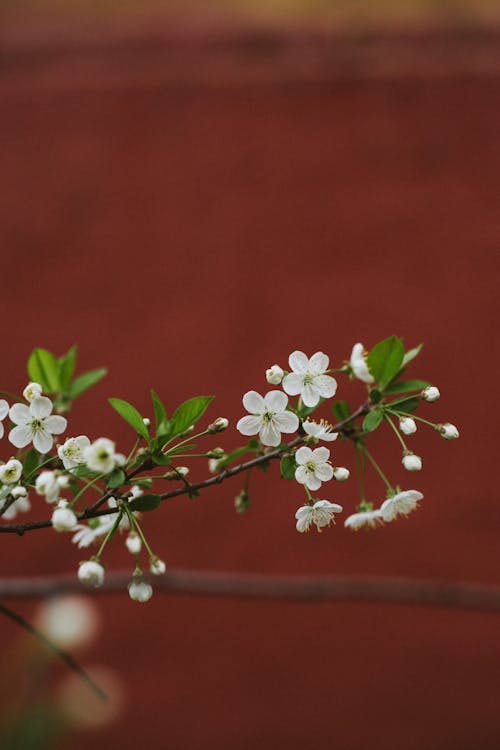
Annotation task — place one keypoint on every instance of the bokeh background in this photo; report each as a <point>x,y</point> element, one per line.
<point>190,192</point>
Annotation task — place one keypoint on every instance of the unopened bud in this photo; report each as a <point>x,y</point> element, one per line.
<point>157,566</point>
<point>412,462</point>
<point>220,424</point>
<point>448,431</point>
<point>341,473</point>
<point>216,453</point>
<point>146,421</point>
<point>430,394</point>
<point>91,573</point>
<point>133,543</point>
<point>242,502</point>
<point>63,518</point>
<point>140,591</point>
<point>407,425</point>
<point>179,472</point>
<point>274,375</point>
<point>32,390</point>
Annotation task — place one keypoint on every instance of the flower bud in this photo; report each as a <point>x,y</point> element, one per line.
<point>407,425</point>
<point>10,472</point>
<point>274,375</point>
<point>220,424</point>
<point>63,481</point>
<point>242,502</point>
<point>19,492</point>
<point>63,518</point>
<point>412,462</point>
<point>146,421</point>
<point>140,591</point>
<point>430,394</point>
<point>448,431</point>
<point>91,573</point>
<point>32,390</point>
<point>157,566</point>
<point>133,543</point>
<point>179,472</point>
<point>216,453</point>
<point>214,464</point>
<point>341,473</point>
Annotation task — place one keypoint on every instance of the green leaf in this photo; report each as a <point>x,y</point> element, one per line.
<point>411,354</point>
<point>116,478</point>
<point>188,414</point>
<point>405,404</point>
<point>130,414</point>
<point>83,472</point>
<point>161,420</point>
<point>341,410</point>
<point>43,368</point>
<point>160,459</point>
<point>287,466</point>
<point>31,462</point>
<point>83,382</point>
<point>66,368</point>
<point>145,502</point>
<point>372,420</point>
<point>375,396</point>
<point>385,360</point>
<point>405,386</point>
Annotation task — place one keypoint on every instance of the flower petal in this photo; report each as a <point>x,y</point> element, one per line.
<point>298,362</point>
<point>292,383</point>
<point>269,434</point>
<point>4,408</point>
<point>326,385</point>
<point>310,395</point>
<point>43,440</point>
<point>41,407</point>
<point>253,402</point>
<point>320,455</point>
<point>324,472</point>
<point>312,482</point>
<point>56,424</point>
<point>20,436</point>
<point>287,421</point>
<point>20,414</point>
<point>276,401</point>
<point>249,425</point>
<point>301,474</point>
<point>303,455</point>
<point>318,363</point>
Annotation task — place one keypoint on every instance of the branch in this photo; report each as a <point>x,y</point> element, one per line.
<point>94,512</point>
<point>305,589</point>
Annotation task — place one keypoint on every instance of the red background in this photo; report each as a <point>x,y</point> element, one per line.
<point>189,230</point>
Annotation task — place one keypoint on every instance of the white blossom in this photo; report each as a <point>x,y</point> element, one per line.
<point>431,393</point>
<point>63,518</point>
<point>274,375</point>
<point>366,519</point>
<point>407,425</point>
<point>308,378</point>
<point>10,472</point>
<point>412,462</point>
<point>313,467</point>
<point>447,430</point>
<point>140,591</point>
<point>340,473</point>
<point>133,543</point>
<point>69,621</point>
<point>402,504</point>
<point>4,410</point>
<point>46,484</point>
<point>157,566</point>
<point>101,457</point>
<point>32,390</point>
<point>35,423</point>
<point>269,417</point>
<point>359,365</point>
<point>321,430</point>
<point>21,503</point>
<point>320,514</point>
<point>91,573</point>
<point>72,452</point>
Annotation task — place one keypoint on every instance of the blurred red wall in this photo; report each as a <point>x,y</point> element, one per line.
<point>189,231</point>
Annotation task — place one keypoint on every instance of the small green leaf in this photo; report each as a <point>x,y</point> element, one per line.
<point>375,396</point>
<point>372,420</point>
<point>406,386</point>
<point>161,420</point>
<point>411,354</point>
<point>160,459</point>
<point>31,462</point>
<point>83,472</point>
<point>83,382</point>
<point>66,368</point>
<point>116,478</point>
<point>385,360</point>
<point>145,502</point>
<point>287,466</point>
<point>188,414</point>
<point>130,414</point>
<point>341,410</point>
<point>43,368</point>
<point>405,404</point>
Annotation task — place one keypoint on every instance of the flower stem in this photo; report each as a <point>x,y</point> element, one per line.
<point>412,416</point>
<point>377,469</point>
<point>183,442</point>
<point>134,524</point>
<point>108,536</point>
<point>389,420</point>
<point>85,488</point>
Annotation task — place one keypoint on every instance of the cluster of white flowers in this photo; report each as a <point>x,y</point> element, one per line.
<point>400,503</point>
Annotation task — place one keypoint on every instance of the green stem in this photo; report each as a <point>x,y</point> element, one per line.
<point>412,416</point>
<point>134,524</point>
<point>377,469</point>
<point>183,442</point>
<point>108,536</point>
<point>84,489</point>
<point>134,448</point>
<point>44,463</point>
<point>389,420</point>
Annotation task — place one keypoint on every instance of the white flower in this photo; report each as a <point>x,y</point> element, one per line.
<point>100,456</point>
<point>340,473</point>
<point>21,503</point>
<point>320,514</point>
<point>431,393</point>
<point>69,621</point>
<point>358,364</point>
<point>269,417</point>
<point>10,472</point>
<point>319,431</point>
<point>313,468</point>
<point>135,491</point>
<point>133,543</point>
<point>407,425</point>
<point>368,519</point>
<point>274,375</point>
<point>4,410</point>
<point>401,504</point>
<point>91,573</point>
<point>32,390</point>
<point>35,423</point>
<point>308,378</point>
<point>71,453</point>
<point>63,518</point>
<point>87,535</point>
<point>140,591</point>
<point>447,430</point>
<point>46,484</point>
<point>412,462</point>
<point>157,566</point>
